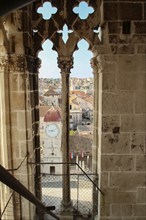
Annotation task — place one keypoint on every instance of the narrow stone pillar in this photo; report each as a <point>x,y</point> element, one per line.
<point>65,64</point>
<point>94,66</point>
<point>96,146</point>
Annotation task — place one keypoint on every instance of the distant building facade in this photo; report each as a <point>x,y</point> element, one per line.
<point>50,138</point>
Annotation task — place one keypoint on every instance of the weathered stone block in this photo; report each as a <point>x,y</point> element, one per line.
<point>141,49</point>
<point>14,119</point>
<point>140,210</point>
<point>110,67</point>
<point>116,144</point>
<point>21,116</point>
<point>140,101</point>
<point>110,122</point>
<point>23,148</point>
<point>104,179</point>
<point>134,63</point>
<point>118,102</point>
<point>130,11</point>
<point>127,181</point>
<point>122,210</point>
<point>141,163</point>
<point>110,196</point>
<point>114,196</point>
<point>18,134</point>
<point>133,123</point>
<point>16,152</point>
<point>18,101</point>
<point>113,39</point>
<point>123,49</point>
<point>22,82</point>
<point>139,39</point>
<point>105,210</point>
<point>110,58</point>
<point>116,210</point>
<point>114,27</point>
<point>109,81</point>
<point>130,81</point>
<point>127,210</point>
<point>140,27</point>
<point>101,49</point>
<point>138,143</point>
<point>141,195</point>
<point>110,11</point>
<point>117,163</point>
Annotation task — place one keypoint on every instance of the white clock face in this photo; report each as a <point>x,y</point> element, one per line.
<point>52,130</point>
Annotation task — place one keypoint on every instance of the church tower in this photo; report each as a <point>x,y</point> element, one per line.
<point>52,141</point>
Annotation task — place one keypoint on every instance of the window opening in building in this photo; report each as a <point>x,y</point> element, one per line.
<point>65,32</point>
<point>81,100</point>
<point>83,10</point>
<point>47,10</point>
<point>52,169</point>
<point>81,103</point>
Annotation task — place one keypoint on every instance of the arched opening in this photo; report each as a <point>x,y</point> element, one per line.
<point>81,119</point>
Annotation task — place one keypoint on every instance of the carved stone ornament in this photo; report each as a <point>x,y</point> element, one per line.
<point>3,63</point>
<point>81,28</point>
<point>65,64</point>
<point>97,64</point>
<point>13,63</point>
<point>100,61</point>
<point>94,65</point>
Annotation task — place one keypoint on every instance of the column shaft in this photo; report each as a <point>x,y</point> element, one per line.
<point>65,64</point>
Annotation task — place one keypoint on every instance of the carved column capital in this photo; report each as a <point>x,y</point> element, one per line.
<point>100,61</point>
<point>94,65</point>
<point>65,64</point>
<point>17,63</point>
<point>97,64</point>
<point>3,63</point>
<point>13,63</point>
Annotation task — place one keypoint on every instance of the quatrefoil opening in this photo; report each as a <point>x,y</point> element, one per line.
<point>47,10</point>
<point>83,10</point>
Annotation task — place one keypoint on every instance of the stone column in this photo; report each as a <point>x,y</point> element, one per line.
<point>96,65</point>
<point>65,64</point>
<point>96,146</point>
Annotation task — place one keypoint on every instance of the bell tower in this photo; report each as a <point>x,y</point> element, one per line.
<point>52,141</point>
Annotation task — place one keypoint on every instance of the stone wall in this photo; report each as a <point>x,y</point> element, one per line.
<point>18,70</point>
<point>123,146</point>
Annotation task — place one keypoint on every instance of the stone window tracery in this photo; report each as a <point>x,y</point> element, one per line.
<point>47,10</point>
<point>83,10</point>
<point>65,33</point>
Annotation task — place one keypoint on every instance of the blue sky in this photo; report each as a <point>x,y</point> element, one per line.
<point>49,68</point>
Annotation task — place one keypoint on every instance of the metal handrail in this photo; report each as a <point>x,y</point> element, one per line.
<point>13,183</point>
<point>79,168</point>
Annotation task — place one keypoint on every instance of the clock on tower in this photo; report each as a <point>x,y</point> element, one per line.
<point>52,141</point>
<point>52,130</point>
